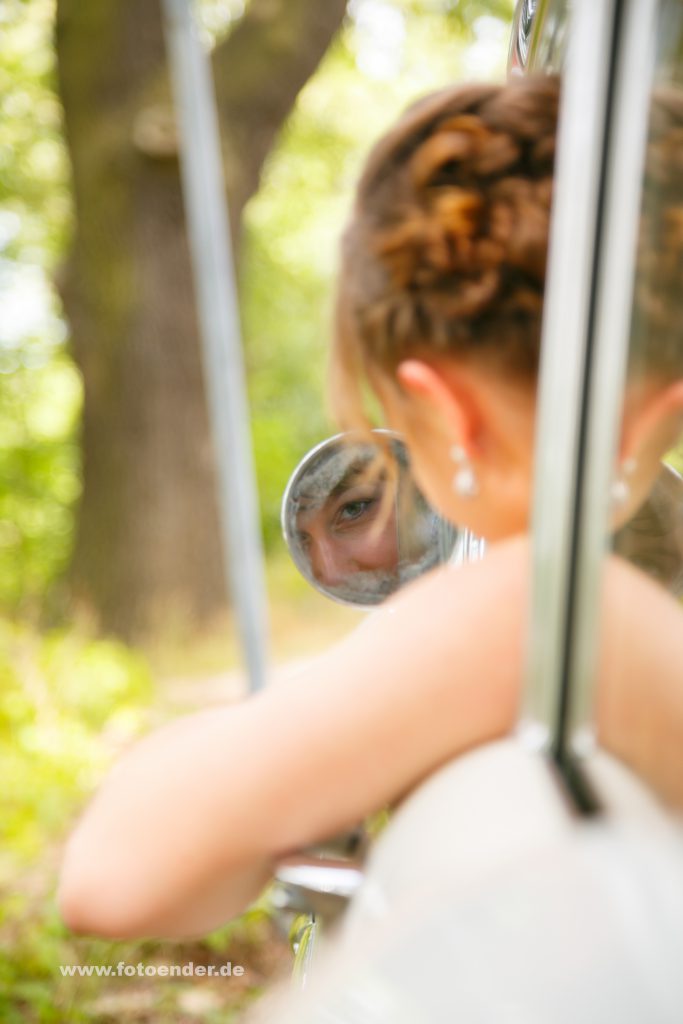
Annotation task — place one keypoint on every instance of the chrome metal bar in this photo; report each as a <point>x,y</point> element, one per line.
<point>468,548</point>
<point>611,332</point>
<point>578,176</point>
<point>213,271</point>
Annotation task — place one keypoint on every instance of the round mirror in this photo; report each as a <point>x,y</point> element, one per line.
<point>340,536</point>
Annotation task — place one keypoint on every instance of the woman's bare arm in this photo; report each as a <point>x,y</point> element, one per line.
<point>185,831</point>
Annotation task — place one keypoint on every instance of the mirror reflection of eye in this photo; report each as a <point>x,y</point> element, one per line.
<point>352,511</point>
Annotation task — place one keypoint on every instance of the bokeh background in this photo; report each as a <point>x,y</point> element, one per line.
<point>114,613</point>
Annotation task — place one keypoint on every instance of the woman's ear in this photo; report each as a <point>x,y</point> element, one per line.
<point>444,394</point>
<point>653,425</point>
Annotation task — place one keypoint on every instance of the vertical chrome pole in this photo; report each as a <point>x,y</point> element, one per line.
<point>566,318</point>
<point>224,373</point>
<point>615,277</point>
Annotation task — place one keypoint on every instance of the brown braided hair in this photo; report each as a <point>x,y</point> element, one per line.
<point>447,244</point>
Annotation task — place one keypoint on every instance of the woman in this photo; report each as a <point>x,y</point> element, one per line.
<point>440,307</point>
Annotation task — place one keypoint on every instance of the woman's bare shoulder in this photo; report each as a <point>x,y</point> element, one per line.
<point>467,595</point>
<point>469,621</point>
<point>642,622</point>
<point>639,696</point>
<point>632,601</point>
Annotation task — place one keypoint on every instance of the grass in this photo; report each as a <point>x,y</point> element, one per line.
<point>68,705</point>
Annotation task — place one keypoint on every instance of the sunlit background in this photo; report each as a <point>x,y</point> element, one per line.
<point>78,679</point>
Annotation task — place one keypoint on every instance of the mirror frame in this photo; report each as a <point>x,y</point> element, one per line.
<point>294,479</point>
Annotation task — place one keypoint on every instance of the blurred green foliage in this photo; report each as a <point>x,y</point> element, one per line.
<point>67,703</point>
<point>67,707</point>
<point>388,53</point>
<point>39,387</point>
<point>39,463</point>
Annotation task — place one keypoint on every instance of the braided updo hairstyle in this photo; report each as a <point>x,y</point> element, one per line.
<point>447,244</point>
<point>446,249</point>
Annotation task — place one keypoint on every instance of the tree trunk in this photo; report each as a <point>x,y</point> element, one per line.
<point>148,544</point>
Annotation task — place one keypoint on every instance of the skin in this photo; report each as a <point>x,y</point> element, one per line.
<point>186,830</point>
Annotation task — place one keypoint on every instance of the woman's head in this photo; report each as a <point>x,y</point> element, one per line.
<point>441,290</point>
<point>445,253</point>
<point>443,270</point>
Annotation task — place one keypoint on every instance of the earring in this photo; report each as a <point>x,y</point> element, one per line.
<point>464,482</point>
<point>620,490</point>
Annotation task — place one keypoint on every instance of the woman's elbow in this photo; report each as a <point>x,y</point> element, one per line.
<point>88,912</point>
<point>87,916</point>
<point>93,900</point>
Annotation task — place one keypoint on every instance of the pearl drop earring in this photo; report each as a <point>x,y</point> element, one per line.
<point>620,490</point>
<point>464,481</point>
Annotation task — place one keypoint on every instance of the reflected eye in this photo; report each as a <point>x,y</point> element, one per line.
<point>354,510</point>
<point>358,513</point>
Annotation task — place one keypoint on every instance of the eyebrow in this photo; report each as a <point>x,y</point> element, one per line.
<point>346,481</point>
